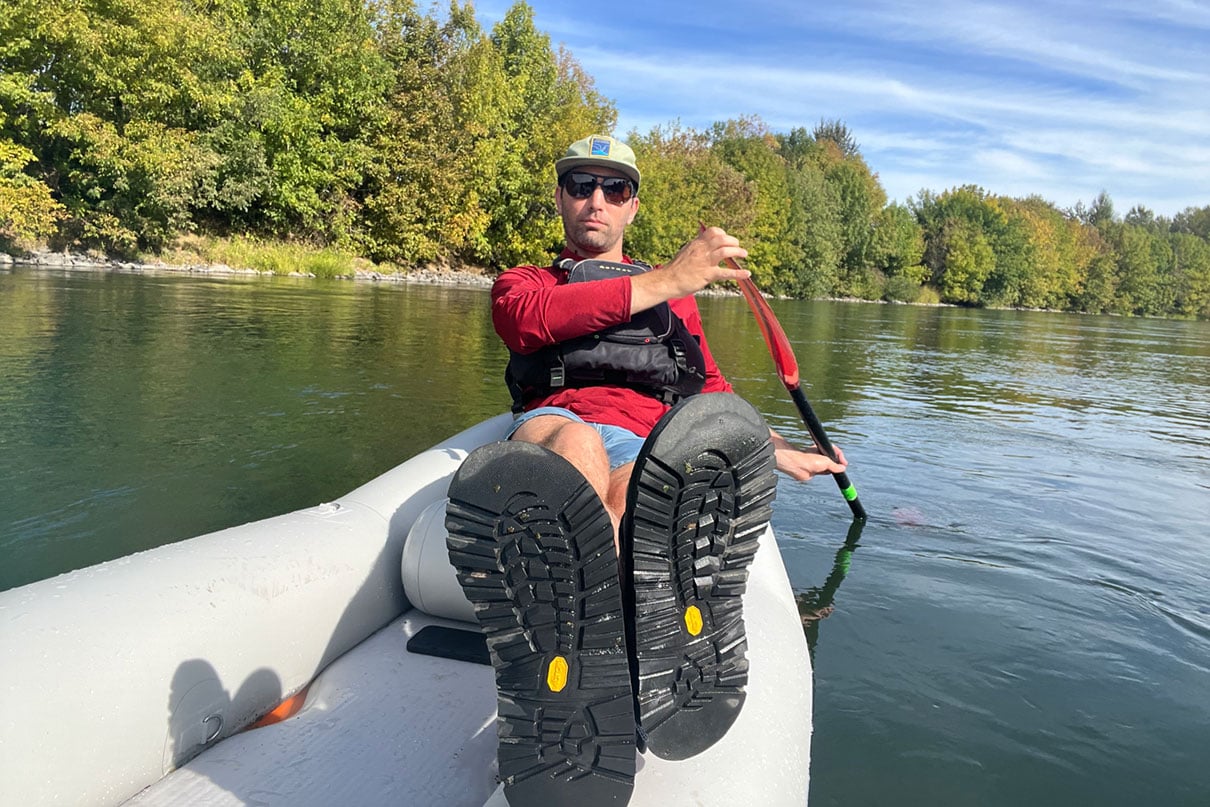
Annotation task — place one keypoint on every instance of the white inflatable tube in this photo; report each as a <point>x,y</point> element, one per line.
<point>115,674</point>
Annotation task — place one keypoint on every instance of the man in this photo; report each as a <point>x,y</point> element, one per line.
<point>628,450</point>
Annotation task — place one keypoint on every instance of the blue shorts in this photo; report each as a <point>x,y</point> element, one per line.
<point>622,445</point>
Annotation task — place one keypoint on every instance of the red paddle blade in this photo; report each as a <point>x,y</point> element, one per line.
<point>770,328</point>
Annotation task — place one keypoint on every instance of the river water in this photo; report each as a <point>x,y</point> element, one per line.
<point>1024,620</point>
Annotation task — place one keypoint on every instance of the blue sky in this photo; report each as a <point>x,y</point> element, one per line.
<point>1062,99</point>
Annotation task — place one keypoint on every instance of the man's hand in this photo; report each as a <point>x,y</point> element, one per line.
<point>802,465</point>
<point>695,267</point>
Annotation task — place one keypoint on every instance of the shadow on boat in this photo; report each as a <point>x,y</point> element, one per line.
<point>203,709</point>
<point>197,705</point>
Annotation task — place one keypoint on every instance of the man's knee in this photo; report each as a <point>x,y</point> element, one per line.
<point>560,434</point>
<point>575,441</point>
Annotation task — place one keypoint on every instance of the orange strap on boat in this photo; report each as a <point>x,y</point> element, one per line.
<point>283,711</point>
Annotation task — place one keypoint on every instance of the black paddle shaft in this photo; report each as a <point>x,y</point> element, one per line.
<point>825,445</point>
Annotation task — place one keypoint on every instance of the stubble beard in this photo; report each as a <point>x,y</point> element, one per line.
<point>584,240</point>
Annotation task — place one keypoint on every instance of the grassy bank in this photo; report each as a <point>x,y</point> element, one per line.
<point>242,255</point>
<point>272,257</point>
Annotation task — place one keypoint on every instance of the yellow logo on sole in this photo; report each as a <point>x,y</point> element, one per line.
<point>693,620</point>
<point>556,674</point>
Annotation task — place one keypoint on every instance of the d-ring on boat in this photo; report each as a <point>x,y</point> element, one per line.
<point>268,664</point>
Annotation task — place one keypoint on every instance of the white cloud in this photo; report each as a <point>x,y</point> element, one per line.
<point>1063,99</point>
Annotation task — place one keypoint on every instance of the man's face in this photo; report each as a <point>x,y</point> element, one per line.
<point>594,226</point>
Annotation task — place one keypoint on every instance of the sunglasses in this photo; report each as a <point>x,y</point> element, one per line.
<point>580,185</point>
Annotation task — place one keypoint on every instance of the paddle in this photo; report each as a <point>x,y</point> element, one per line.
<point>787,370</point>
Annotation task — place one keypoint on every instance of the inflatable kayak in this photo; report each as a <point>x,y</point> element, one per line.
<point>327,656</point>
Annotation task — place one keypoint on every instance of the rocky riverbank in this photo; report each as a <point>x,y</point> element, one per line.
<point>71,261</point>
<point>427,275</point>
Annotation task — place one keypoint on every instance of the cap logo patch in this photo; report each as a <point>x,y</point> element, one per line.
<point>599,147</point>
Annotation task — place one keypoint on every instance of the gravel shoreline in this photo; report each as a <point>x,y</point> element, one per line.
<point>425,275</point>
<point>80,262</point>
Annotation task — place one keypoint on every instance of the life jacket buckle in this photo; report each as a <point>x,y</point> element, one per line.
<point>679,354</point>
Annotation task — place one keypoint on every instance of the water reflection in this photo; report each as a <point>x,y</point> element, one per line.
<point>1149,378</point>
<point>139,410</point>
<point>815,604</point>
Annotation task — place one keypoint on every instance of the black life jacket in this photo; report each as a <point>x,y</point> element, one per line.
<point>654,352</point>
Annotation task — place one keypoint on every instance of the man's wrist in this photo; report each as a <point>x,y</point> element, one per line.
<point>649,290</point>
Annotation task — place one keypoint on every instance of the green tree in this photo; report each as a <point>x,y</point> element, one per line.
<point>1041,277</point>
<point>1098,214</point>
<point>1137,269</point>
<point>1008,233</point>
<point>967,259</point>
<point>1060,250</point>
<point>815,233</point>
<point>896,249</point>
<point>1191,271</point>
<point>859,198</point>
<point>106,96</point>
<point>685,183</point>
<point>1193,220</point>
<point>312,86</point>
<point>837,133</point>
<point>422,200</point>
<point>158,113</point>
<point>129,189</point>
<point>1100,285</point>
<point>28,211</point>
<point>815,230</point>
<point>747,146</point>
<point>952,220</point>
<point>549,100</point>
<point>1144,217</point>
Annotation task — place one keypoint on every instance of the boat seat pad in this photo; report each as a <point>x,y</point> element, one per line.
<point>429,580</point>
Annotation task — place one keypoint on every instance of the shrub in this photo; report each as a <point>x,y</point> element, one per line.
<point>28,211</point>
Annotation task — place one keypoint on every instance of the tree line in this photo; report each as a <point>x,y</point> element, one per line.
<point>417,138</point>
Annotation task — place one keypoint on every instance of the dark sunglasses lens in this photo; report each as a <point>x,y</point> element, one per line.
<point>580,186</point>
<point>616,190</point>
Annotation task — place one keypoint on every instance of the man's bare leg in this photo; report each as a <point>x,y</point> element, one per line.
<point>580,444</point>
<point>615,499</point>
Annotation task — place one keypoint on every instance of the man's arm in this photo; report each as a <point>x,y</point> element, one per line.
<point>530,310</point>
<point>694,268</point>
<point>802,465</point>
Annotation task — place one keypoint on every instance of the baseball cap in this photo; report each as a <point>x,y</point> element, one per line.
<point>600,150</point>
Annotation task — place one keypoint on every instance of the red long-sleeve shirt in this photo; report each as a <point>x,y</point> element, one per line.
<point>534,306</point>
